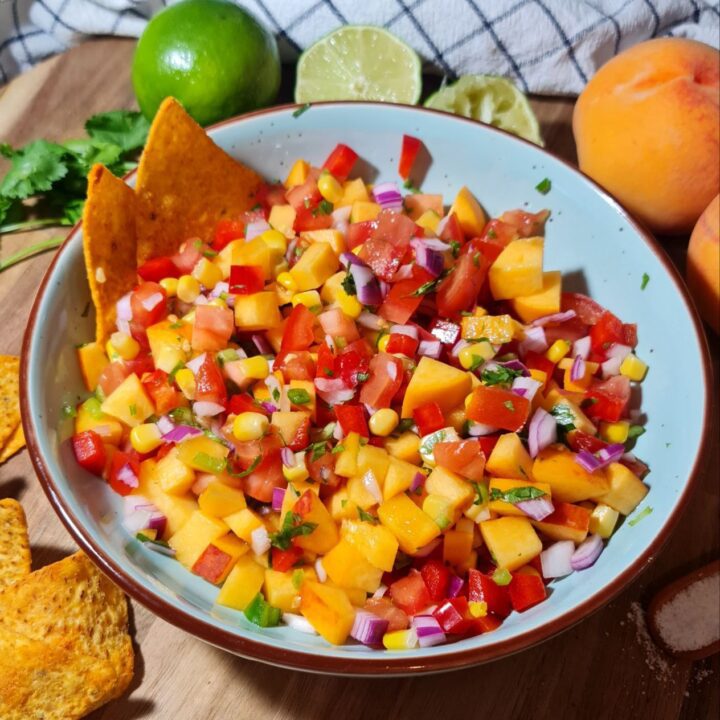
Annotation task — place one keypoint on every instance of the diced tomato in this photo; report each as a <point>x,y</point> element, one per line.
<point>246,453</point>
<point>495,238</point>
<point>352,364</point>
<point>352,419</point>
<point>452,232</point>
<point>209,382</point>
<point>301,439</point>
<point>283,560</point>
<point>402,300</point>
<point>454,616</point>
<point>386,376</point>
<point>89,451</point>
<point>606,331</point>
<point>212,328</point>
<point>402,344</point>
<point>487,443</point>
<point>322,469</point>
<point>409,151</point>
<point>340,161</point>
<point>157,269</point>
<point>310,218</point>
<point>429,418</point>
<point>579,440</point>
<point>527,224</point>
<point>448,333</point>
<point>226,231</point>
<point>436,576</point>
<point>305,196</point>
<point>459,290</point>
<point>526,589</point>
<point>295,365</point>
<point>190,254</point>
<point>246,279</point>
<point>298,333</point>
<point>325,362</point>
<point>162,392</point>
<point>482,588</point>
<point>270,194</point>
<point>570,330</point>
<point>243,402</point>
<point>359,232</point>
<point>384,608</point>
<point>360,346</point>
<point>410,593</point>
<point>630,337</point>
<point>148,302</point>
<point>498,408</point>
<point>337,324</point>
<point>588,311</point>
<point>610,398</point>
<point>265,478</point>
<point>464,457</point>
<point>383,251</point>
<point>124,472</point>
<point>140,365</point>
<point>112,377</point>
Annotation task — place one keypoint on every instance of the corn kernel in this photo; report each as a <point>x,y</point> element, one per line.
<point>297,473</point>
<point>309,298</point>
<point>250,426</point>
<point>558,350</point>
<point>169,285</point>
<point>615,432</point>
<point>634,368</point>
<point>477,609</point>
<point>287,281</point>
<point>207,273</point>
<point>330,188</point>
<point>254,368</point>
<point>188,288</point>
<point>383,422</point>
<point>146,437</point>
<point>218,302</point>
<point>473,355</point>
<point>383,343</point>
<point>349,304</point>
<point>124,345</point>
<point>185,380</point>
<point>400,640</point>
<point>276,241</point>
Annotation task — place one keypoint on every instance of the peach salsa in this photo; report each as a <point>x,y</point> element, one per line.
<point>364,416</point>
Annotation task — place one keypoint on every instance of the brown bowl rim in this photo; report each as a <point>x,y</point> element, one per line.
<point>382,663</point>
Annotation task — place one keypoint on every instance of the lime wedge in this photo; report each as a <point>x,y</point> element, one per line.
<point>492,100</point>
<point>359,62</point>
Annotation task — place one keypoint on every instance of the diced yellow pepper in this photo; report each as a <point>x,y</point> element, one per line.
<point>195,535</point>
<point>615,432</point>
<point>544,302</point>
<point>408,523</point>
<point>242,584</point>
<point>363,210</point>
<point>282,219</point>
<point>298,174</point>
<point>517,271</point>
<point>634,368</point>
<point>129,402</point>
<point>258,311</point>
<point>220,500</point>
<point>603,520</point>
<point>498,329</point>
<point>469,213</point>
<point>318,263</point>
<point>512,541</point>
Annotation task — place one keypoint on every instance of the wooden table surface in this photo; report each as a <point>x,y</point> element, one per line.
<point>597,669</point>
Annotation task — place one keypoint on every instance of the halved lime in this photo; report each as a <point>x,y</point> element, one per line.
<point>359,62</point>
<point>492,100</point>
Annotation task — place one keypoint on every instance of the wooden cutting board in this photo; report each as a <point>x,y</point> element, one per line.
<point>598,669</point>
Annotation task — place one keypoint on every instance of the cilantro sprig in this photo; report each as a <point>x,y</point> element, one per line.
<point>293,526</point>
<point>516,495</point>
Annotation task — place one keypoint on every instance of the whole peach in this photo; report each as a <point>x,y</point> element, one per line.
<point>703,264</point>
<point>647,128</point>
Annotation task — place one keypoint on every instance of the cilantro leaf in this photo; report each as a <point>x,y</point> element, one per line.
<point>563,416</point>
<point>516,495</point>
<point>425,288</point>
<point>348,284</point>
<point>247,472</point>
<point>544,186</point>
<point>298,396</point>
<point>499,375</point>
<point>645,281</point>
<point>127,129</point>
<point>366,516</point>
<point>34,169</point>
<point>5,205</point>
<point>292,527</point>
<point>317,450</point>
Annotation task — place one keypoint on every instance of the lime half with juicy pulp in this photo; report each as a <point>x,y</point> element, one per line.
<point>492,100</point>
<point>359,62</point>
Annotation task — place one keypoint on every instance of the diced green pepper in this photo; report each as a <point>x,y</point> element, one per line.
<point>261,613</point>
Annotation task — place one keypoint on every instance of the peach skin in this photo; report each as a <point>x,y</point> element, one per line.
<point>703,264</point>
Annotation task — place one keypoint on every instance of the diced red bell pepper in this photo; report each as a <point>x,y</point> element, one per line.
<point>89,451</point>
<point>340,162</point>
<point>386,378</point>
<point>526,589</point>
<point>606,331</point>
<point>352,364</point>
<point>299,331</point>
<point>402,344</point>
<point>460,289</point>
<point>410,593</point>
<point>447,332</point>
<point>246,279</point>
<point>454,615</point>
<point>429,418</point>
<point>283,560</point>
<point>352,419</point>
<point>579,440</point>
<point>537,361</point>
<point>409,151</point>
<point>485,624</point>
<point>359,232</point>
<point>310,218</point>
<point>243,402</point>
<point>610,398</point>
<point>498,408</point>
<point>436,576</point>
<point>226,231</point>
<point>482,588</point>
<point>157,269</point>
<point>124,472</point>
<point>487,443</point>
<point>452,232</point>
<point>402,300</point>
<point>385,249</point>
<point>326,361</point>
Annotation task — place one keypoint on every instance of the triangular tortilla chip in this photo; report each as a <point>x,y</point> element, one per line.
<point>109,245</point>
<point>39,680</point>
<point>9,396</point>
<point>15,442</point>
<point>14,544</point>
<point>73,606</point>
<point>185,184</point>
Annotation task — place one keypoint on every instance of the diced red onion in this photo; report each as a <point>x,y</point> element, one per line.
<point>370,320</point>
<point>180,432</point>
<point>380,592</point>
<point>427,258</point>
<point>428,630</point>
<point>404,272</point>
<point>425,550</point>
<point>555,560</point>
<point>137,513</point>
<point>441,225</point>
<point>260,540</point>
<point>333,390</point>
<point>320,570</point>
<point>288,457</point>
<point>368,628</point>
<point>542,431</point>
<point>611,368</point>
<point>455,585</point>
<point>370,483</point>
<point>384,288</point>
<point>278,496</point>
<point>587,553</point>
<point>537,508</point>
<point>582,347</point>
<point>417,482</point>
<point>165,425</point>
<point>636,416</point>
<point>204,408</point>
<point>262,344</point>
<point>127,476</point>
<point>341,217</point>
<point>587,461</point>
<point>617,350</point>
<point>555,318</point>
<point>435,244</point>
<point>602,458</point>
<point>409,330</point>
<point>611,453</point>
<point>273,385</point>
<point>388,196</point>
<point>299,623</point>
<point>255,228</point>
<point>366,285</point>
<point>534,341</point>
<point>290,252</point>
<point>268,406</point>
<point>158,522</point>
<point>350,258</point>
<point>528,385</point>
<point>519,391</point>
<point>515,365</point>
<point>123,308</point>
<point>219,289</point>
<point>477,429</point>
<point>152,301</point>
<point>194,364</point>
<point>577,371</point>
<point>430,348</point>
<point>458,346</point>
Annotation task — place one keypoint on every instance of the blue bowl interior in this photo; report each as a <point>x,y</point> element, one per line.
<point>588,238</point>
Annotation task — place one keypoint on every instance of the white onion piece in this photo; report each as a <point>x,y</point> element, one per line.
<point>195,363</point>
<point>204,408</point>
<point>441,225</point>
<point>404,272</point>
<point>299,623</point>
<point>581,347</point>
<point>338,433</point>
<point>477,429</point>
<point>260,540</point>
<point>611,368</point>
<point>219,289</point>
<point>587,553</point>
<point>435,244</point>
<point>333,390</point>
<point>341,215</point>
<point>617,350</point>
<point>528,384</point>
<point>253,229</point>
<point>320,570</point>
<point>202,480</point>
<point>430,348</point>
<point>123,308</point>
<point>409,330</point>
<point>380,592</point>
<point>555,561</point>
<point>152,301</point>
<point>370,320</point>
<point>165,424</point>
<point>370,483</point>
<point>200,300</point>
<point>458,346</point>
<point>127,476</point>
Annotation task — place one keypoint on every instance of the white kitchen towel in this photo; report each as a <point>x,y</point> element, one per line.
<point>545,46</point>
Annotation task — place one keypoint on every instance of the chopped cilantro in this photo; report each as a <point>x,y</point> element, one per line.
<point>133,409</point>
<point>499,375</point>
<point>544,186</point>
<point>642,514</point>
<point>481,493</point>
<point>476,259</point>
<point>362,376</point>
<point>425,288</point>
<point>645,281</point>
<point>502,576</point>
<point>302,109</point>
<point>563,416</point>
<point>276,394</point>
<point>292,527</point>
<point>455,248</point>
<point>298,396</point>
<point>328,372</point>
<point>176,325</point>
<point>509,405</point>
<point>477,361</point>
<point>635,431</point>
<point>317,450</point>
<point>409,186</point>
<point>516,495</point>
<point>348,284</point>
<point>491,233</point>
<point>173,372</point>
<point>337,449</point>
<point>404,425</point>
<point>366,516</point>
<point>298,577</point>
<point>145,539</point>
<point>245,473</point>
<point>325,207</point>
<point>306,203</point>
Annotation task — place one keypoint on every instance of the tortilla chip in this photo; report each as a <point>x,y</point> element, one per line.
<point>109,245</point>
<point>73,606</point>
<point>15,442</point>
<point>39,680</point>
<point>14,544</point>
<point>185,184</point>
<point>9,396</point>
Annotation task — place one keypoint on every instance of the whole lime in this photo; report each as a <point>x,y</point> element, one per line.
<point>211,55</point>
